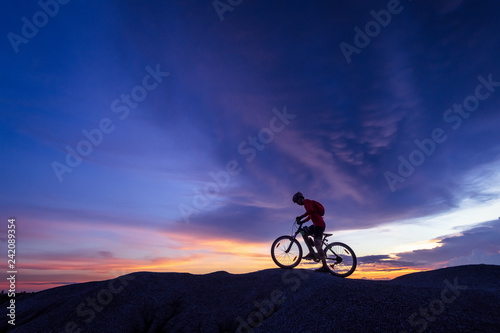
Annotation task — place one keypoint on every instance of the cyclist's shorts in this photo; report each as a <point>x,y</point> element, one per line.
<point>316,231</point>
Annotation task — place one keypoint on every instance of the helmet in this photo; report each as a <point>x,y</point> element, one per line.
<point>296,197</point>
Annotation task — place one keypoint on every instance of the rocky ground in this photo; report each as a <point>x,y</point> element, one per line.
<point>456,299</point>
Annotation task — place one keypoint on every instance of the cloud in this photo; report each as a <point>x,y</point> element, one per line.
<point>234,221</point>
<point>105,254</point>
<point>478,245</point>
<point>385,261</point>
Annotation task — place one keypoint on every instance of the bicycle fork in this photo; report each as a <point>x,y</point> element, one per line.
<point>290,246</point>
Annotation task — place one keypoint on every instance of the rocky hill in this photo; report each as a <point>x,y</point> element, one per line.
<point>456,299</point>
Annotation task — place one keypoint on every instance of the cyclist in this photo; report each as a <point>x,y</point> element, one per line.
<point>316,229</point>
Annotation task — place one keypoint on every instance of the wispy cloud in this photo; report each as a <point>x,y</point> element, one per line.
<point>472,246</point>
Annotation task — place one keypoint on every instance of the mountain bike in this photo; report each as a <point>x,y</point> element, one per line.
<point>286,252</point>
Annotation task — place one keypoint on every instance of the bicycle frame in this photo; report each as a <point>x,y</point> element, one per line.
<point>300,230</point>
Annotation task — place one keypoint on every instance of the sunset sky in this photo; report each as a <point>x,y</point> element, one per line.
<point>170,137</point>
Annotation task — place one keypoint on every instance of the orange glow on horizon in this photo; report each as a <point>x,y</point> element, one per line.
<point>193,265</point>
<point>164,252</point>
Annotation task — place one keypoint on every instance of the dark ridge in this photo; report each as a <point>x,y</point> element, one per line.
<point>474,276</point>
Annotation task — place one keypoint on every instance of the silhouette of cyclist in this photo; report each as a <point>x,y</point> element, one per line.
<point>316,230</point>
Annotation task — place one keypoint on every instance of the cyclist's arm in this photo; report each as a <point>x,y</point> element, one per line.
<point>304,215</point>
<point>309,210</point>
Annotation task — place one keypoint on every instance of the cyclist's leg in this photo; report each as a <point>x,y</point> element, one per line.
<point>308,244</point>
<point>318,240</point>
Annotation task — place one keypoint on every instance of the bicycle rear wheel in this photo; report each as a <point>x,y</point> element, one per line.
<point>286,252</point>
<point>340,259</point>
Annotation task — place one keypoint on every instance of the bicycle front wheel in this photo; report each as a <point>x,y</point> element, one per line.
<point>286,252</point>
<point>340,259</point>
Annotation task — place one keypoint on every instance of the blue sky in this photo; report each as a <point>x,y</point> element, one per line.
<point>267,101</point>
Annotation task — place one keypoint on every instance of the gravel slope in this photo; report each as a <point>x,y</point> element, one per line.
<point>456,299</point>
